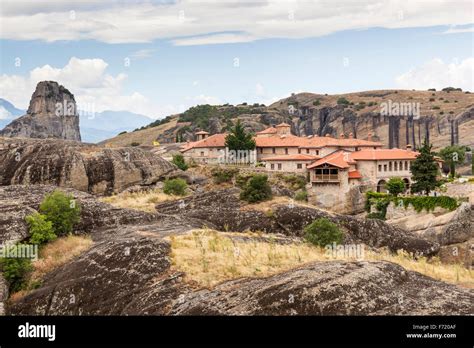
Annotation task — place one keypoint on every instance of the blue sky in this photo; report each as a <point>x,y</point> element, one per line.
<point>167,74</point>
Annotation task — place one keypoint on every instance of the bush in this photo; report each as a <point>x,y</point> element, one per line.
<point>342,101</point>
<point>62,210</point>
<point>175,187</point>
<point>257,189</point>
<point>221,175</point>
<point>242,179</point>
<point>395,186</point>
<point>135,144</point>
<point>41,230</point>
<point>296,182</point>
<point>178,161</point>
<point>316,102</point>
<point>16,270</point>
<point>323,232</point>
<point>301,196</point>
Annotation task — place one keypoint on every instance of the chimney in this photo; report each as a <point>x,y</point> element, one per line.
<point>409,147</point>
<point>351,135</point>
<point>341,136</point>
<point>369,137</point>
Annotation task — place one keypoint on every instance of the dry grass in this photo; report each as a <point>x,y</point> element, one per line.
<point>52,256</point>
<point>144,201</point>
<point>209,257</point>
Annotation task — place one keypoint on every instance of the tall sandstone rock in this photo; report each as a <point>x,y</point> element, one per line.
<point>52,114</point>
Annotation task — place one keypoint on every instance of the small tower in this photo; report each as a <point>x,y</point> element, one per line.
<point>201,135</point>
<point>283,129</point>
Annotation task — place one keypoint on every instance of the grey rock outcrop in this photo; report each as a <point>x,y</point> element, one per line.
<point>52,114</point>
<point>84,167</point>
<point>139,281</point>
<point>222,208</point>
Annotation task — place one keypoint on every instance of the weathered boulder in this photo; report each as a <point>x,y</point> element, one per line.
<point>130,275</point>
<point>223,209</point>
<point>52,114</point>
<point>84,167</point>
<point>332,288</point>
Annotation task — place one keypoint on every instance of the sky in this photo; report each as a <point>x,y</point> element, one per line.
<point>158,58</point>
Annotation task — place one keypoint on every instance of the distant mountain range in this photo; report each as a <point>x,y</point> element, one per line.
<point>94,128</point>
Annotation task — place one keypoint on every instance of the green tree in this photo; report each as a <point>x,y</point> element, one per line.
<point>323,232</point>
<point>424,171</point>
<point>395,186</point>
<point>16,270</point>
<point>256,189</point>
<point>453,155</point>
<point>175,187</point>
<point>41,230</point>
<point>239,139</point>
<point>62,210</point>
<point>179,161</point>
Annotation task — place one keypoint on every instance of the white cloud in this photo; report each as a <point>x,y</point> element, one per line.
<point>455,30</point>
<point>191,22</point>
<point>94,89</point>
<point>259,90</point>
<point>438,74</point>
<point>140,54</point>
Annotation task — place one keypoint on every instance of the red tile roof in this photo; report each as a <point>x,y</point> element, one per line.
<point>340,159</point>
<point>384,154</point>
<point>202,132</point>
<point>271,130</point>
<point>296,157</point>
<point>355,174</point>
<point>216,140</point>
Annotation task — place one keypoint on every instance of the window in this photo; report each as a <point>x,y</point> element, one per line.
<point>279,166</point>
<point>261,150</point>
<point>406,165</point>
<point>272,166</point>
<point>384,167</point>
<point>299,150</point>
<point>307,150</point>
<point>202,153</point>
<point>390,166</point>
<point>380,167</point>
<point>400,166</point>
<point>395,165</point>
<point>317,152</point>
<point>299,166</point>
<point>286,150</point>
<point>273,150</point>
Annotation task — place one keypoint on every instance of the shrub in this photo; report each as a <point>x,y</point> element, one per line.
<point>178,161</point>
<point>296,182</point>
<point>62,210</point>
<point>395,186</point>
<point>436,107</point>
<point>342,101</point>
<point>242,179</point>
<point>257,189</point>
<point>16,270</point>
<point>316,102</point>
<point>124,132</point>
<point>301,196</point>
<point>41,230</point>
<point>221,175</point>
<point>323,232</point>
<point>135,144</point>
<point>175,187</point>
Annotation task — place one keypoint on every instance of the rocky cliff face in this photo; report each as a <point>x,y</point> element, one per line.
<point>52,114</point>
<point>87,168</point>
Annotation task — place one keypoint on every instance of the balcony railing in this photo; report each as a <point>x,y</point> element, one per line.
<point>326,178</point>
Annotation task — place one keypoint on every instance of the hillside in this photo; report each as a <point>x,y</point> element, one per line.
<point>445,117</point>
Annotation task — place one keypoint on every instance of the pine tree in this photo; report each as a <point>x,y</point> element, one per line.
<point>238,139</point>
<point>424,171</point>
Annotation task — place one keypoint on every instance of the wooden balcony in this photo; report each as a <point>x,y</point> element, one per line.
<point>325,178</point>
